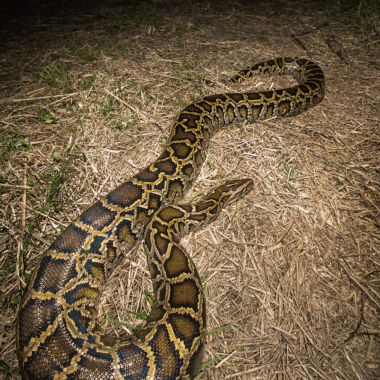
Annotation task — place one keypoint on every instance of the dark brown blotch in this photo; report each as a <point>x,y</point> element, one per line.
<point>125,195</point>
<point>181,134</point>
<point>52,355</point>
<point>190,120</point>
<point>177,263</point>
<point>167,355</point>
<point>184,294</point>
<point>236,97</point>
<point>98,216</point>
<point>166,166</point>
<point>181,150</point>
<point>185,328</point>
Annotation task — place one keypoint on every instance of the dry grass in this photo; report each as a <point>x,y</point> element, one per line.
<point>293,268</point>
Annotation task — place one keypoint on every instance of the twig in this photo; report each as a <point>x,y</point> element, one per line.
<point>24,198</point>
<point>18,186</point>
<point>46,97</point>
<point>121,101</point>
<point>19,249</point>
<point>298,39</point>
<point>20,239</point>
<point>146,116</point>
<point>286,232</point>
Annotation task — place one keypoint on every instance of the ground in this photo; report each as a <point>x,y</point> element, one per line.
<point>88,94</point>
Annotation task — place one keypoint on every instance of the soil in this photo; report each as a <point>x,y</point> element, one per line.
<point>88,94</point>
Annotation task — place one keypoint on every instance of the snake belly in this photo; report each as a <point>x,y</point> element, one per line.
<point>58,333</point>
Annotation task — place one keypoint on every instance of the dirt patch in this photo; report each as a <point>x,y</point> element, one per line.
<point>88,96</point>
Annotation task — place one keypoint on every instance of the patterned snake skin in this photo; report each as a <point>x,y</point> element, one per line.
<point>58,331</point>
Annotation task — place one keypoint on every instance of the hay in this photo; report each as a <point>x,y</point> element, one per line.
<point>294,267</point>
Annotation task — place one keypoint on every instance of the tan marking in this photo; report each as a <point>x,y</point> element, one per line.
<point>71,239</point>
<point>156,314</point>
<point>243,113</point>
<point>57,350</point>
<point>169,213</point>
<point>284,108</point>
<point>143,218</point>
<point>269,111</point>
<point>161,243</point>
<point>230,113</point>
<point>202,206</point>
<point>256,112</point>
<point>216,122</point>
<point>198,158</point>
<point>167,166</point>
<point>127,194</point>
<point>148,175</point>
<point>221,114</point>
<point>154,204</point>
<point>188,171</point>
<point>34,320</point>
<point>209,122</point>
<point>98,273</point>
<point>153,270</point>
<point>175,192</point>
<point>126,236</point>
<point>111,254</point>
<point>199,218</point>
<point>87,292</point>
<point>91,310</point>
<point>54,274</point>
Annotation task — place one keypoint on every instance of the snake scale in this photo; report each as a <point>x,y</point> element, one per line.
<point>58,331</point>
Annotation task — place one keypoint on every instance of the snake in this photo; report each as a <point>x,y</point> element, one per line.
<point>58,330</point>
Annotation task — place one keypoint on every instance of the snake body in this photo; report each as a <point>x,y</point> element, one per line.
<point>58,331</point>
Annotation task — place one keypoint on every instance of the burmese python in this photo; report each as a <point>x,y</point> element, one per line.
<point>58,332</point>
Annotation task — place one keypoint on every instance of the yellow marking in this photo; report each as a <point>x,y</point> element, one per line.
<point>230,113</point>
<point>87,292</point>
<point>186,328</point>
<point>98,273</point>
<point>111,254</point>
<point>243,113</point>
<point>175,191</point>
<point>183,158</point>
<point>165,349</point>
<point>34,343</point>
<point>125,235</point>
<point>143,218</point>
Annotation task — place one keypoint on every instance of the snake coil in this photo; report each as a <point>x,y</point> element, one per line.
<point>58,333</point>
